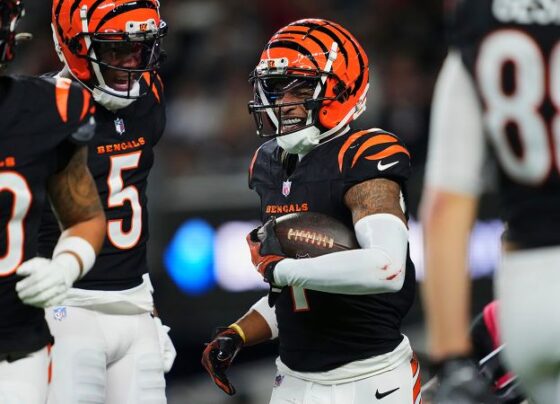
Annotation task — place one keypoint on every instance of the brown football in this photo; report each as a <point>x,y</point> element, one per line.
<point>309,234</point>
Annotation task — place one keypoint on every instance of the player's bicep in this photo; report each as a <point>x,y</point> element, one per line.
<point>72,191</point>
<point>374,196</point>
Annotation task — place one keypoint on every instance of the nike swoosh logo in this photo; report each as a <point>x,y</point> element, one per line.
<point>383,167</point>
<point>379,395</point>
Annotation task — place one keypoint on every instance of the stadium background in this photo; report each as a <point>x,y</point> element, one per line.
<point>200,204</point>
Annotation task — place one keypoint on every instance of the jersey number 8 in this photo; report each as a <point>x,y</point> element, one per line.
<point>521,106</point>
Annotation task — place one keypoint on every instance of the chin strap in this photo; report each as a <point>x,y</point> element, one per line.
<point>104,96</point>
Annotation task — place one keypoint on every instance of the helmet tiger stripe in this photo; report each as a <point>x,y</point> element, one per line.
<point>324,50</point>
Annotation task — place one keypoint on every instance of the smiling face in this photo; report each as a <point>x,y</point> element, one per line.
<point>290,96</point>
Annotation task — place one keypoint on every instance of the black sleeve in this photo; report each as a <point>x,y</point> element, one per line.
<point>373,154</point>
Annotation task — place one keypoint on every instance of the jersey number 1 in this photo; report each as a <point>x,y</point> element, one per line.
<point>118,196</point>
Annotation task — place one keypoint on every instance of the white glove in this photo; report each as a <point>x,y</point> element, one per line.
<point>168,352</point>
<point>46,282</point>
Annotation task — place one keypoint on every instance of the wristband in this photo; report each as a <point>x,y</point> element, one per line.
<point>238,330</point>
<point>78,247</point>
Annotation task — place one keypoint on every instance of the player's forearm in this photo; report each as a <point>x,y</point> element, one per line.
<point>378,267</point>
<point>91,230</point>
<point>356,272</point>
<point>447,220</point>
<point>255,328</point>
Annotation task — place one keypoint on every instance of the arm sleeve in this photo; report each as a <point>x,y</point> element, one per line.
<point>378,267</point>
<point>268,313</point>
<point>456,150</point>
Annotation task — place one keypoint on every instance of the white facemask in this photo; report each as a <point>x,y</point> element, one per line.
<point>112,102</point>
<point>300,142</point>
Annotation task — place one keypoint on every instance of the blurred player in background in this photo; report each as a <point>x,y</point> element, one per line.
<point>109,348</point>
<point>339,315</point>
<point>45,125</point>
<point>499,86</point>
<point>488,351</point>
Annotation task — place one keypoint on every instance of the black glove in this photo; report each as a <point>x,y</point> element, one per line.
<point>266,253</point>
<point>461,383</point>
<point>218,355</point>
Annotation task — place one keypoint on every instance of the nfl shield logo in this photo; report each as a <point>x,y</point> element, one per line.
<point>119,126</point>
<point>59,313</point>
<point>286,188</point>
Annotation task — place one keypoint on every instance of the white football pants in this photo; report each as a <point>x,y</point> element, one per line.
<point>528,287</point>
<point>104,358</point>
<point>398,386</point>
<point>26,380</point>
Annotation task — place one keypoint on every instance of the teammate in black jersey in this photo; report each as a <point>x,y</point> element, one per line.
<point>339,315</point>
<point>44,127</point>
<point>499,86</point>
<point>113,49</point>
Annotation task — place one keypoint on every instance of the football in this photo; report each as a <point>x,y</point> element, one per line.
<point>308,234</point>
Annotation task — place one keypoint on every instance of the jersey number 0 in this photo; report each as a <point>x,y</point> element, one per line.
<point>15,184</point>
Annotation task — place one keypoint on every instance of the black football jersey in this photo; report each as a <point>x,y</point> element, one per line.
<point>322,331</point>
<point>120,158</point>
<point>511,50</point>
<point>42,121</point>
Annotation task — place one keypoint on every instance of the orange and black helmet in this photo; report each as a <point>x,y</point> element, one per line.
<point>84,29</point>
<point>319,54</point>
<point>11,11</point>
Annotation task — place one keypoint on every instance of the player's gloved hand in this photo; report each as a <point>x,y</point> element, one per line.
<point>167,349</point>
<point>461,383</point>
<point>266,253</point>
<point>265,248</point>
<point>46,282</point>
<point>218,355</point>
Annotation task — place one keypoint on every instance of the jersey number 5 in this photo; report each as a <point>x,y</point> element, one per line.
<point>15,184</point>
<point>118,196</point>
<point>523,104</point>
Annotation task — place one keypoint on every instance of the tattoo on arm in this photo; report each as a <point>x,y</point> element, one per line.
<point>374,196</point>
<point>73,192</point>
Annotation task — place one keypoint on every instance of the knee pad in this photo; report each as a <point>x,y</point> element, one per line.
<point>151,382</point>
<point>88,376</point>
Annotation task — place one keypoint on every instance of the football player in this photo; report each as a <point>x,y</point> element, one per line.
<point>497,95</point>
<point>110,349</point>
<point>338,315</point>
<point>45,125</point>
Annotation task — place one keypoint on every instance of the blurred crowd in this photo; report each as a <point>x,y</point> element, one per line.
<point>214,44</point>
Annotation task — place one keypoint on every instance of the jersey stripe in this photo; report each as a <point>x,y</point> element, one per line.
<point>374,141</point>
<point>253,162</point>
<point>417,388</point>
<point>87,101</point>
<point>148,79</point>
<point>389,151</point>
<point>62,93</point>
<point>351,139</point>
